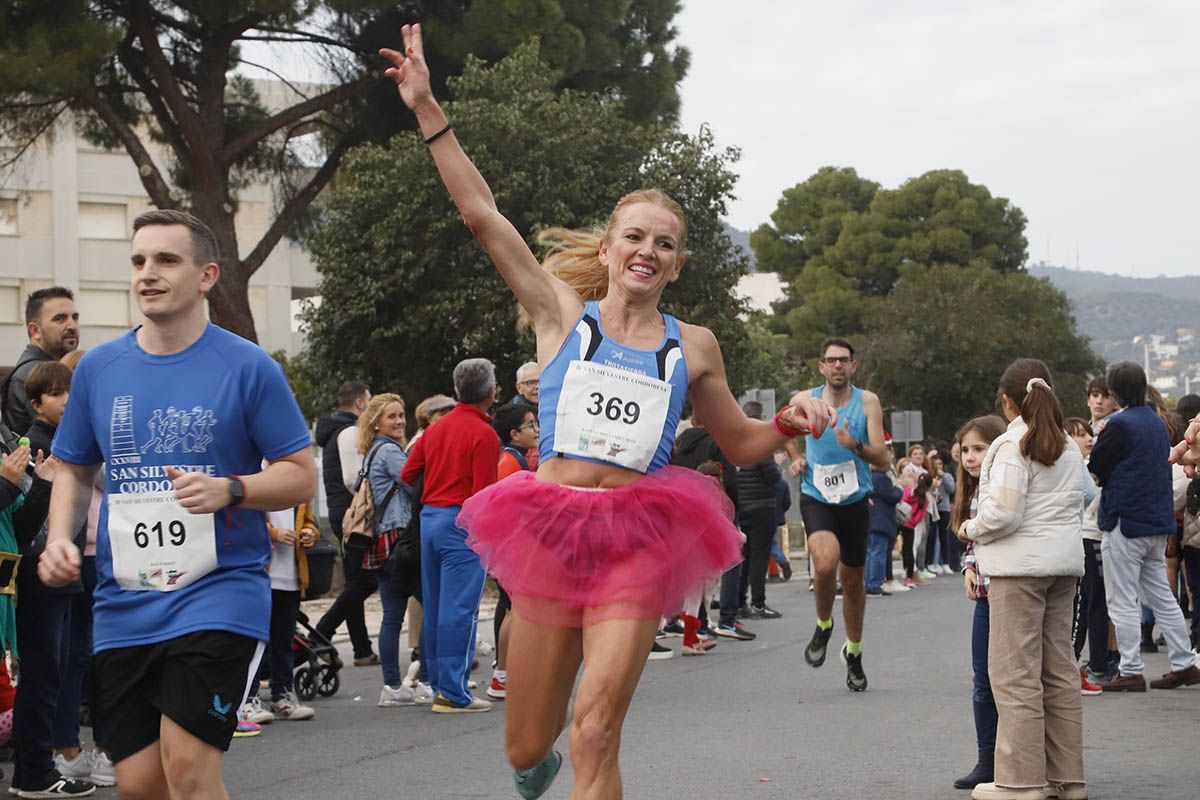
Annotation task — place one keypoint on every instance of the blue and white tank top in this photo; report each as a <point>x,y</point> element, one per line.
<point>609,404</point>
<point>835,475</point>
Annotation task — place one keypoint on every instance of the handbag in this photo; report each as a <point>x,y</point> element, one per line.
<point>362,517</point>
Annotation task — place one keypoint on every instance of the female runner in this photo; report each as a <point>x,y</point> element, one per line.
<point>605,538</point>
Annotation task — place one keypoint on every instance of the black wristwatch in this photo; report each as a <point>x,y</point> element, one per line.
<point>858,447</point>
<point>237,491</point>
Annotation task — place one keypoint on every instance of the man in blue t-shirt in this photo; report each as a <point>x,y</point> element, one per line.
<point>180,414</point>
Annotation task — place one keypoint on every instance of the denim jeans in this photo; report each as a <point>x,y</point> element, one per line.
<point>983,705</point>
<point>394,606</point>
<point>879,551</point>
<point>777,551</point>
<point>42,621</point>
<point>452,583</point>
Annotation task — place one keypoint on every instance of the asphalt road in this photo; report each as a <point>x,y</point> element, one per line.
<point>749,720</point>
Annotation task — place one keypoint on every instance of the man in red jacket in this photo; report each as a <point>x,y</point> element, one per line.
<point>457,457</point>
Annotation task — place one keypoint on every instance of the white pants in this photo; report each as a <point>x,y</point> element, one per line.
<point>920,536</point>
<point>1137,564</point>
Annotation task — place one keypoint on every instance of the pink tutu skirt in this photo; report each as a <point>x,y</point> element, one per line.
<point>570,556</point>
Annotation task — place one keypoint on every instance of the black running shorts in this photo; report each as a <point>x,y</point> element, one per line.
<point>849,523</point>
<point>198,680</point>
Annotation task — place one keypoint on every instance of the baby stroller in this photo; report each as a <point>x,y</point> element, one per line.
<point>317,662</point>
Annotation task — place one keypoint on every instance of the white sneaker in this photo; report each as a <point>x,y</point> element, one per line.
<point>946,570</point>
<point>895,586</point>
<point>483,648</point>
<point>290,707</point>
<point>77,768</point>
<point>252,711</point>
<point>389,697</point>
<point>422,694</point>
<point>927,575</point>
<point>102,770</point>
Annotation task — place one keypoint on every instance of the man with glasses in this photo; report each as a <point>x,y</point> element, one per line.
<point>834,504</point>
<point>528,375</point>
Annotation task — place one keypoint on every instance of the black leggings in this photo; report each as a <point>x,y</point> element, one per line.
<point>906,550</point>
<point>502,608</point>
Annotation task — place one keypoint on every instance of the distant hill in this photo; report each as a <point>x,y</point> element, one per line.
<point>1112,309</point>
<point>741,239</point>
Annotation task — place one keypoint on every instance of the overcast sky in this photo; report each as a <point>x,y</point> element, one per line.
<point>1083,114</point>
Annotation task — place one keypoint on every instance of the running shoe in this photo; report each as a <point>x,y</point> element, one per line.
<point>814,653</point>
<point>878,593</point>
<point>745,612</point>
<point>764,612</point>
<point>734,630</point>
<point>77,768</point>
<point>399,696</point>
<point>497,689</point>
<point>786,569</point>
<point>369,660</point>
<point>895,587</point>
<point>660,653</point>
<point>422,694</point>
<point>54,785</point>
<point>910,583</point>
<point>1087,688</point>
<point>927,575</point>
<point>102,769</point>
<point>246,728</point>
<point>533,783</point>
<point>288,706</point>
<point>444,705</point>
<point>671,630</point>
<point>856,679</point>
<point>252,711</point>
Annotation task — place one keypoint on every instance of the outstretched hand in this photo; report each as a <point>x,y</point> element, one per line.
<point>812,413</point>
<point>409,70</point>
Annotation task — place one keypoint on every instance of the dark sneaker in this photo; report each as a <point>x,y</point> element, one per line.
<point>1180,677</point>
<point>814,654</point>
<point>1124,683</point>
<point>786,569</point>
<point>764,612</point>
<point>55,785</point>
<point>734,630</point>
<point>672,629</point>
<point>369,660</point>
<point>660,653</point>
<point>746,612</point>
<point>856,679</point>
<point>533,783</point>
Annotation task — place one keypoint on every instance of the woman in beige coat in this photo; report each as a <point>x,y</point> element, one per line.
<point>1027,539</point>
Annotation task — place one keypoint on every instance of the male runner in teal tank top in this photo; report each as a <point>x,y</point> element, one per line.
<point>834,503</point>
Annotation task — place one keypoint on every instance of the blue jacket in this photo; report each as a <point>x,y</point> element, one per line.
<point>385,473</point>
<point>885,495</point>
<point>1129,460</point>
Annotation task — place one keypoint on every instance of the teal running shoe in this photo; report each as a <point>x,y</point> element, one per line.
<point>533,783</point>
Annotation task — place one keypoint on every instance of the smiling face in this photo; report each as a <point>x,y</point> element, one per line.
<point>916,456</point>
<point>643,249</point>
<point>526,436</point>
<point>166,280</point>
<point>391,424</point>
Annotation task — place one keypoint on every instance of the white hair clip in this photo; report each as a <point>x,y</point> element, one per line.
<point>1037,382</point>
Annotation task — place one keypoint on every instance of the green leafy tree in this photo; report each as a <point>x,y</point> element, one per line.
<point>149,77</point>
<point>941,339</point>
<point>406,292</point>
<point>840,242</point>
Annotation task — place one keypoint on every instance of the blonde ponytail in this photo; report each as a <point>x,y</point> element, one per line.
<point>573,256</point>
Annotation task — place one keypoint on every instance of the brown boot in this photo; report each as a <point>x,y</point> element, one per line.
<point>1180,677</point>
<point>1125,683</point>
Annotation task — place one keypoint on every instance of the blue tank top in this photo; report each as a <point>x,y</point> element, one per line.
<point>825,451</point>
<point>587,342</point>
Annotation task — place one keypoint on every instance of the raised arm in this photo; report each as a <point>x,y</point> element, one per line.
<point>551,304</point>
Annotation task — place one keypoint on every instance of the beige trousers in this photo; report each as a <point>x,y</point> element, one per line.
<point>1035,682</point>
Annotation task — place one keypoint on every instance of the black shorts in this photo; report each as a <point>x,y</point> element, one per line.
<point>198,680</point>
<point>849,523</point>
